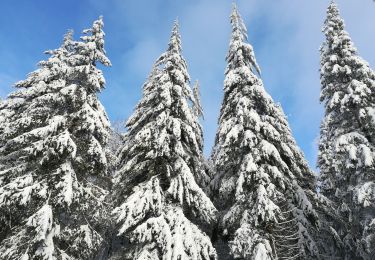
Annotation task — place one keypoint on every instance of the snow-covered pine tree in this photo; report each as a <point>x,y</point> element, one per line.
<point>161,212</point>
<point>197,105</point>
<point>52,136</point>
<point>262,180</point>
<point>347,138</point>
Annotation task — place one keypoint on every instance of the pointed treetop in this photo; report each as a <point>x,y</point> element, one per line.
<point>98,24</point>
<point>334,30</point>
<point>240,52</point>
<point>96,29</point>
<point>69,35</point>
<point>68,39</point>
<point>333,20</point>
<point>175,40</point>
<point>238,27</point>
<point>95,37</point>
<point>333,8</point>
<point>197,106</point>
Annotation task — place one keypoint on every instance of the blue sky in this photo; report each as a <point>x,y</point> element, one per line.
<point>286,35</point>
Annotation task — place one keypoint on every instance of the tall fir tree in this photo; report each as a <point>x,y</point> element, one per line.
<point>262,184</point>
<point>53,131</point>
<point>161,211</point>
<point>347,137</point>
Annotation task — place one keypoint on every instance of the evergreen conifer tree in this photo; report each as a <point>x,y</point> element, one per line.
<point>53,131</point>
<point>161,212</point>
<point>347,138</point>
<point>262,184</point>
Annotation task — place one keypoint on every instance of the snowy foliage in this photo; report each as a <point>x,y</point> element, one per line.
<point>346,149</point>
<point>161,210</point>
<point>262,178</point>
<point>53,131</point>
